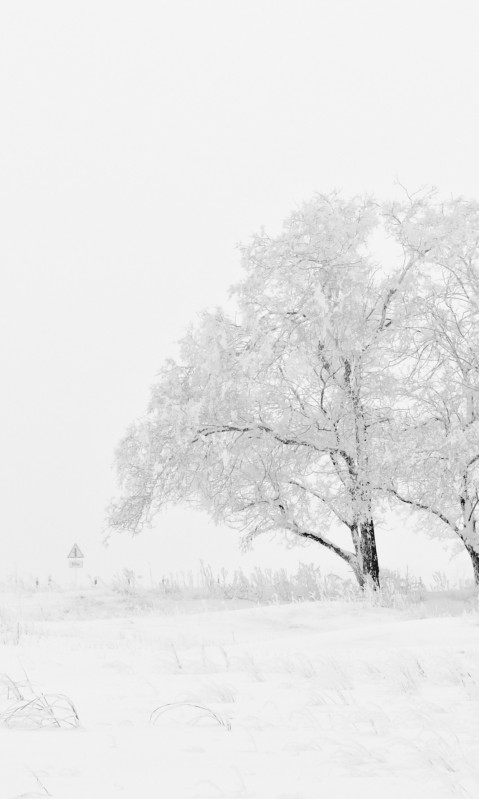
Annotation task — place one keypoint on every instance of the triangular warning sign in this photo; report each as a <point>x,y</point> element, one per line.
<point>76,552</point>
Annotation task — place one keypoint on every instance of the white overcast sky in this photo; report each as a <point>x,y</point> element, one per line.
<point>140,142</point>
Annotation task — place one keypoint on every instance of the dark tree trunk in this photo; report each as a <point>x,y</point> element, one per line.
<point>369,555</point>
<point>475,562</point>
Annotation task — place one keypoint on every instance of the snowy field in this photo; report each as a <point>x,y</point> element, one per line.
<point>199,700</point>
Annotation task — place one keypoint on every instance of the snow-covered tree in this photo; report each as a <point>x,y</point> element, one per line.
<point>436,369</point>
<point>276,420</point>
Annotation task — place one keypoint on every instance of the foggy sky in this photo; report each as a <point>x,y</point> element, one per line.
<point>140,142</point>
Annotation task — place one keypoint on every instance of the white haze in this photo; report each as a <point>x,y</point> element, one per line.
<point>140,142</point>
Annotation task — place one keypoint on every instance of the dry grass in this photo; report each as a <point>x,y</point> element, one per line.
<point>191,713</point>
<point>31,710</point>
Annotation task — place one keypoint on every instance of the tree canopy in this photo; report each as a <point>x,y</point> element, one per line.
<point>436,422</point>
<point>320,397</point>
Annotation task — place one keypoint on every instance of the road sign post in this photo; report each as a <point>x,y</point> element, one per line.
<point>75,561</point>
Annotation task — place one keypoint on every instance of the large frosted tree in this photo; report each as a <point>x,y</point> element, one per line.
<point>277,419</point>
<point>435,364</point>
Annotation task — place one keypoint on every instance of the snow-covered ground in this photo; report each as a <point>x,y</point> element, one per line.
<point>301,701</point>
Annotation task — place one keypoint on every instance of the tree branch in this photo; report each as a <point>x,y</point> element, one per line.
<point>473,460</point>
<point>229,428</point>
<point>421,506</point>
<point>349,557</point>
<point>328,504</point>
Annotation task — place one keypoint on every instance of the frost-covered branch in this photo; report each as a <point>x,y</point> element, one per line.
<point>422,506</point>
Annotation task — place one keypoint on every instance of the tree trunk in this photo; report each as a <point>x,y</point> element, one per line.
<point>475,562</point>
<point>363,531</point>
<point>468,534</point>
<point>368,556</point>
